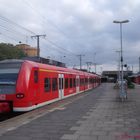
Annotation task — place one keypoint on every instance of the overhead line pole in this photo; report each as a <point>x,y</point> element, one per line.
<point>80,57</point>
<point>88,66</point>
<point>38,47</point>
<point>94,61</point>
<point>139,64</point>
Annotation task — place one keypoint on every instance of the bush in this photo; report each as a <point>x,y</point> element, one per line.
<point>9,51</point>
<point>131,86</point>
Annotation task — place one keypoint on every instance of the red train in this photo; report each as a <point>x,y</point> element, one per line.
<point>135,78</point>
<point>26,85</point>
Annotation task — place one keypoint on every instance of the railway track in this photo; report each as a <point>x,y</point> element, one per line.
<point>6,116</point>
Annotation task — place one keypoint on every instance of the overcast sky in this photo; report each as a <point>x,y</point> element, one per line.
<point>74,27</point>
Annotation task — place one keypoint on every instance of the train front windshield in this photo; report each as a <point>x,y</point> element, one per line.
<point>7,83</point>
<point>8,77</point>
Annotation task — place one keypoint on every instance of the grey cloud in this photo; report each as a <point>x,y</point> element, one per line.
<point>80,26</point>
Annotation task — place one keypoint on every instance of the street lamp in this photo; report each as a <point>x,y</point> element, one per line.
<point>122,92</point>
<point>119,65</point>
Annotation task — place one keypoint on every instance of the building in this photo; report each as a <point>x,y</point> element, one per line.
<point>113,75</point>
<point>31,53</point>
<point>27,49</point>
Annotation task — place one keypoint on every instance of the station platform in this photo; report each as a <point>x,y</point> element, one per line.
<point>96,115</point>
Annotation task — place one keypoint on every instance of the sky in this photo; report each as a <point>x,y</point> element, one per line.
<point>75,27</point>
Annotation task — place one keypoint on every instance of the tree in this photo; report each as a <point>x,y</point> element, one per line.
<point>9,51</point>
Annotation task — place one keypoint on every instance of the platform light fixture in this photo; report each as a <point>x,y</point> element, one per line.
<point>122,92</point>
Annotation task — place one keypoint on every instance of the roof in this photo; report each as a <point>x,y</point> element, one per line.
<point>11,61</point>
<point>55,68</point>
<point>16,63</point>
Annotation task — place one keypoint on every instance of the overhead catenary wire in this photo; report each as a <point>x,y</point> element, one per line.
<point>9,37</point>
<point>15,26</point>
<point>44,19</point>
<point>63,49</point>
<point>11,32</point>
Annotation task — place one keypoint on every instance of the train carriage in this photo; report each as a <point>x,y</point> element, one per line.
<point>26,85</point>
<point>135,78</point>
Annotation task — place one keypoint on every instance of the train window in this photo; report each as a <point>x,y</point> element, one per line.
<point>66,83</point>
<point>70,82</point>
<point>90,80</point>
<point>54,84</point>
<point>83,81</point>
<point>61,83</point>
<point>47,84</point>
<point>74,82</point>
<point>80,81</point>
<point>86,81</point>
<point>36,76</point>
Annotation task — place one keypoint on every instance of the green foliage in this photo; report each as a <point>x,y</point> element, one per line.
<point>129,83</point>
<point>131,86</point>
<point>9,51</point>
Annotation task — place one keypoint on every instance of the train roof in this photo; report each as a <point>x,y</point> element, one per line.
<point>61,69</point>
<point>16,63</point>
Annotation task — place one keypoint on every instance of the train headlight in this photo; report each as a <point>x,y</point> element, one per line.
<point>20,95</point>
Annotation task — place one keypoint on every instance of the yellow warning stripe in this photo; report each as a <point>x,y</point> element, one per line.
<point>47,70</point>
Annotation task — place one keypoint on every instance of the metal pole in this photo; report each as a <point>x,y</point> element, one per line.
<point>122,90</point>
<point>95,61</point>
<point>119,65</point>
<point>80,56</point>
<point>87,66</point>
<point>95,67</point>
<point>80,62</point>
<point>38,48</point>
<point>139,64</point>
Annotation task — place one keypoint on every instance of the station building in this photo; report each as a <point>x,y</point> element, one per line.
<point>27,49</point>
<point>111,76</point>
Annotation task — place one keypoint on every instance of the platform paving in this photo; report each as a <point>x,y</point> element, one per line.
<point>110,119</point>
<point>98,115</point>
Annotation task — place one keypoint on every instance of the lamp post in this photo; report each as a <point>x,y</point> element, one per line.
<point>122,92</point>
<point>119,65</point>
<point>139,64</point>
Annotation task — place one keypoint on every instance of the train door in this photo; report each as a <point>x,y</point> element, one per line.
<point>77,84</point>
<point>88,83</point>
<point>36,86</point>
<point>61,85</point>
